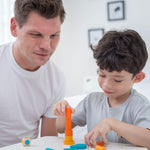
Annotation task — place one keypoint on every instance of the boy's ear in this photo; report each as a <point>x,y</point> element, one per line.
<point>139,77</point>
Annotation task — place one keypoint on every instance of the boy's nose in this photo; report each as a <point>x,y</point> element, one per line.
<point>107,84</point>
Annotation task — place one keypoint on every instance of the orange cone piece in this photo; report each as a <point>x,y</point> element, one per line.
<point>68,132</point>
<point>101,143</point>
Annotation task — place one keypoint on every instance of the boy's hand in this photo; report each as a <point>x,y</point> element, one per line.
<point>59,108</point>
<point>101,129</point>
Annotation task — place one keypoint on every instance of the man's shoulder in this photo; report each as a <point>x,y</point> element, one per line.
<point>54,72</point>
<point>4,47</point>
<point>53,67</point>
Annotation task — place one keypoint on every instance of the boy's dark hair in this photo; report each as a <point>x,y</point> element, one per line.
<point>118,51</point>
<point>46,8</point>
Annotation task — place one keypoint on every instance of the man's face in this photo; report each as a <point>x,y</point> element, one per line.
<point>36,40</point>
<point>116,85</point>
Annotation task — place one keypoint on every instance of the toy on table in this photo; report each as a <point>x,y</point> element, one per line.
<point>98,147</point>
<point>70,149</point>
<point>26,141</point>
<point>101,143</point>
<point>68,132</point>
<point>48,148</point>
<point>79,146</point>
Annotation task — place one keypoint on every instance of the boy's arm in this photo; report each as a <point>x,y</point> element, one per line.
<point>59,111</point>
<point>137,135</point>
<point>61,123</point>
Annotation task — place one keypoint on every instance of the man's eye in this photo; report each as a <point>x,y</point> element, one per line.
<point>54,36</point>
<point>34,35</point>
<point>37,35</point>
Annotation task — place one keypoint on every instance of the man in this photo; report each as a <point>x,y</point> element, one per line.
<point>30,83</point>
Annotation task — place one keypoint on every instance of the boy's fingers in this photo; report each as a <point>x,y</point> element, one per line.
<point>63,106</point>
<point>93,138</point>
<point>104,139</point>
<point>72,110</point>
<point>87,138</point>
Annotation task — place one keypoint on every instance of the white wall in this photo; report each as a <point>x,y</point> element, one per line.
<point>6,12</point>
<point>73,54</point>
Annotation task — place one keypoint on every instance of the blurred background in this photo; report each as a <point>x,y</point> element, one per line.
<point>73,54</point>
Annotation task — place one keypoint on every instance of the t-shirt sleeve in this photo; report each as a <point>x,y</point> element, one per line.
<point>142,117</point>
<point>79,117</point>
<point>58,94</point>
<point>140,110</point>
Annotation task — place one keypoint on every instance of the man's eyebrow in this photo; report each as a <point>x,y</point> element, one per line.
<point>34,32</point>
<point>56,33</point>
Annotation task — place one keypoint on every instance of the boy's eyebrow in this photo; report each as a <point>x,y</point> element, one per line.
<point>120,76</point>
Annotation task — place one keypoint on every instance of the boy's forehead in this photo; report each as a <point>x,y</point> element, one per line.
<point>122,73</point>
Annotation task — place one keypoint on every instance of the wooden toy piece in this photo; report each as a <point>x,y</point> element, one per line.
<point>48,148</point>
<point>98,147</point>
<point>26,141</point>
<point>70,149</point>
<point>68,132</point>
<point>79,146</point>
<point>101,143</point>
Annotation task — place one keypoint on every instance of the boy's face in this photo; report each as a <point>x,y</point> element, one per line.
<point>116,85</point>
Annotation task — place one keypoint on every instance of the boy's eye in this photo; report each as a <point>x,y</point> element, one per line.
<point>118,80</point>
<point>101,75</point>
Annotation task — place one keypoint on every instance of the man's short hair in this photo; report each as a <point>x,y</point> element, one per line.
<point>46,8</point>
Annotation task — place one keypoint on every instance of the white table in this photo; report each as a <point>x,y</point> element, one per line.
<point>57,144</point>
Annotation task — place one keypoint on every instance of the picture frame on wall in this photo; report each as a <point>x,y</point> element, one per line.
<point>94,35</point>
<point>116,10</point>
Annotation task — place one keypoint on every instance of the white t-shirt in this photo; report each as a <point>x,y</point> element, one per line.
<point>95,108</point>
<point>25,96</point>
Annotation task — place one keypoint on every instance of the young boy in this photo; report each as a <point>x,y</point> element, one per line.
<point>120,113</point>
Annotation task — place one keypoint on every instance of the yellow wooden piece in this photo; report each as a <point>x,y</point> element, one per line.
<point>68,140</point>
<point>98,147</point>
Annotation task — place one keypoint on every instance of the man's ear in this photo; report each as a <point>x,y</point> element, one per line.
<point>139,77</point>
<point>13,26</point>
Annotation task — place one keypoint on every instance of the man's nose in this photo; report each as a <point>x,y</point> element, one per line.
<point>45,43</point>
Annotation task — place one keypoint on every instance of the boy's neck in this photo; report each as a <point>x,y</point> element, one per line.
<point>116,102</point>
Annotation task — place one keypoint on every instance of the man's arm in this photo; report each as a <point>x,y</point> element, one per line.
<point>48,127</point>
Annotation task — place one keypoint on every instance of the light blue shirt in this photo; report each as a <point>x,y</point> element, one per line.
<point>95,108</point>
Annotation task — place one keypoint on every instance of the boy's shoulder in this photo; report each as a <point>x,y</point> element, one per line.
<point>96,95</point>
<point>95,98</point>
<point>138,100</point>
